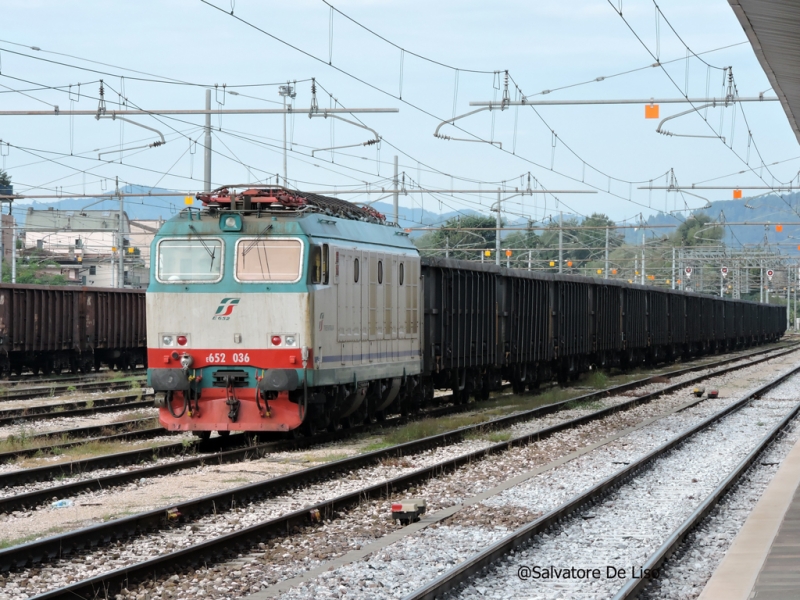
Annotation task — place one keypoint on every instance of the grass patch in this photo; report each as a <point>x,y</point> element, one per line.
<point>584,404</point>
<point>499,436</point>
<point>29,538</point>
<point>326,458</point>
<point>429,427</point>
<point>87,450</point>
<point>373,446</point>
<point>240,479</point>
<point>89,404</point>
<point>596,379</point>
<point>72,388</point>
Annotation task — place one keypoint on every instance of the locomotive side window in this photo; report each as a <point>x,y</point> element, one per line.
<point>400,274</point>
<point>319,264</point>
<point>272,259</point>
<point>356,268</point>
<point>325,264</point>
<point>316,264</point>
<point>380,271</point>
<point>189,260</point>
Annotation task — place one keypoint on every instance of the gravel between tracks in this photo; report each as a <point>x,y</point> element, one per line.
<point>688,571</point>
<point>466,482</point>
<point>437,548</point>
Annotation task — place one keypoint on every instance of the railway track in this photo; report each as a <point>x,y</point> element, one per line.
<point>76,409</point>
<point>229,453</point>
<point>641,484</point>
<point>134,429</point>
<point>105,374</point>
<point>75,542</point>
<point>57,389</point>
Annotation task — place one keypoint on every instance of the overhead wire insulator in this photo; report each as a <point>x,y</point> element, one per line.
<point>101,104</point>
<point>314,106</point>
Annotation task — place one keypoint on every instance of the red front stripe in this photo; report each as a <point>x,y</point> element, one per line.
<point>273,358</point>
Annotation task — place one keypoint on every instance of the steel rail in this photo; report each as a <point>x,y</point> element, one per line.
<point>69,377</point>
<point>63,545</point>
<point>634,586</point>
<point>45,390</point>
<point>74,409</point>
<point>474,565</point>
<point>31,499</point>
<point>139,434</point>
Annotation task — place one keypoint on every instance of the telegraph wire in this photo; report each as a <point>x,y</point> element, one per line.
<point>718,135</point>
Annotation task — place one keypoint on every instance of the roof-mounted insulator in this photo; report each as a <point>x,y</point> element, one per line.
<point>506,97</point>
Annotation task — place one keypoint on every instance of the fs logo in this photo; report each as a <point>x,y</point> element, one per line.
<point>225,309</point>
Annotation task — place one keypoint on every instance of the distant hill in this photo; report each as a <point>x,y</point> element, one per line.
<point>770,210</point>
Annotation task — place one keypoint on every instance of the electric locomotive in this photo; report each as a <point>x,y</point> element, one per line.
<point>271,309</point>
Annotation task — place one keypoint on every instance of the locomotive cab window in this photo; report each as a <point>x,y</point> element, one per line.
<point>278,260</point>
<point>400,274</point>
<point>380,271</point>
<point>356,268</point>
<point>189,261</point>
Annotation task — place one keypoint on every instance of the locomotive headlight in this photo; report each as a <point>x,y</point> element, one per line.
<point>290,340</point>
<point>166,340</point>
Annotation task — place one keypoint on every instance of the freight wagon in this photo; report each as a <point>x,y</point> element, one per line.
<point>52,328</point>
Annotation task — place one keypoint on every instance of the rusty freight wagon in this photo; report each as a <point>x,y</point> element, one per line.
<point>51,328</point>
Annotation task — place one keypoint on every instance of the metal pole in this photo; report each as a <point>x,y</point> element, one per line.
<point>643,234</point>
<point>788,291</point>
<point>761,284</point>
<point>120,248</point>
<point>605,270</point>
<point>529,260</point>
<point>396,195</point>
<point>497,233</point>
<point>796,283</point>
<point>284,142</point>
<point>528,102</point>
<point>673,267</point>
<point>721,284</point>
<point>207,154</point>
<point>561,241</point>
<point>13,246</point>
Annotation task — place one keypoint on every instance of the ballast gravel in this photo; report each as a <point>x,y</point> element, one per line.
<point>539,495</point>
<point>687,572</point>
<point>290,557</point>
<point>63,572</point>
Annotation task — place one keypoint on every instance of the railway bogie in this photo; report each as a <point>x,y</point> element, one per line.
<point>272,310</point>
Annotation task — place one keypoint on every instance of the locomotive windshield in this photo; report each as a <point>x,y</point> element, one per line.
<point>270,259</point>
<point>181,261</point>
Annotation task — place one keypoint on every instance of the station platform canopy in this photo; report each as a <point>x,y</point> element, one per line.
<point>772,27</point>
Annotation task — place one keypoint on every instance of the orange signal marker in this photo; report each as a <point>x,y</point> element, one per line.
<point>651,111</point>
<point>778,228</point>
<point>737,194</point>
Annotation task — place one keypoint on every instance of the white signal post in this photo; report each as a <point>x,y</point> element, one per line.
<point>724,271</point>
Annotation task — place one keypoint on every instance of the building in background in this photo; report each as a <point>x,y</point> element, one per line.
<point>83,244</point>
<point>7,227</point>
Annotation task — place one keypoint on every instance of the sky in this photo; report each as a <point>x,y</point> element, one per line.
<point>427,59</point>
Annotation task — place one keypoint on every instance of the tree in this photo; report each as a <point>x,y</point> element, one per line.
<point>459,236</point>
<point>5,178</point>
<point>698,230</point>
